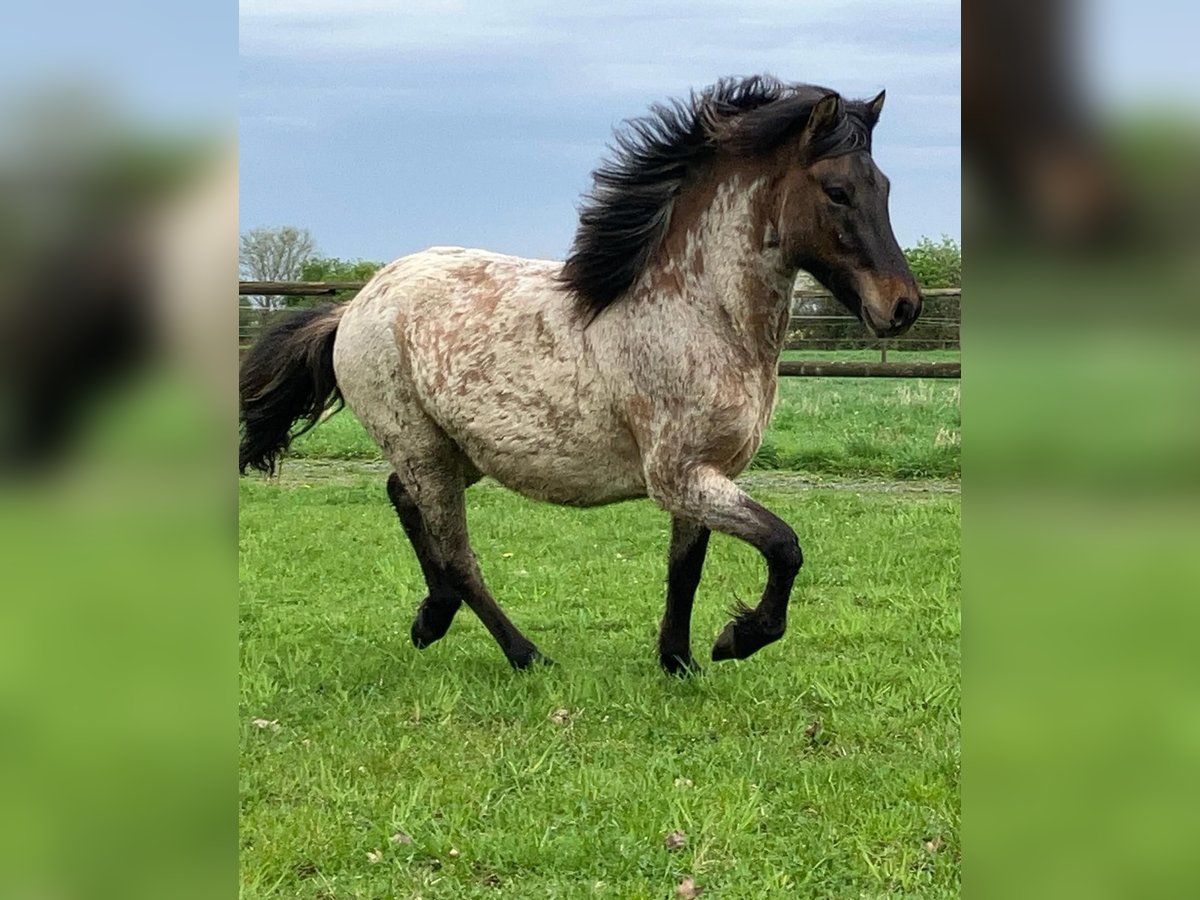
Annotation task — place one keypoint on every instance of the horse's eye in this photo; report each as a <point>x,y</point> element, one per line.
<point>837,194</point>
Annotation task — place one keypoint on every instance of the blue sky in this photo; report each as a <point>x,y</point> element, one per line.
<point>386,127</point>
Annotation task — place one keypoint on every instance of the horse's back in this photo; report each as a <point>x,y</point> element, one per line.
<point>489,348</point>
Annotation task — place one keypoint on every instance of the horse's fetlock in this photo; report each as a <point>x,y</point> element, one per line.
<point>772,629</point>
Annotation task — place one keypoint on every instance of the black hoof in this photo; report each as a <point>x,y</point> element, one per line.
<point>431,624</point>
<point>742,638</point>
<point>726,645</point>
<point>679,666</point>
<point>527,659</point>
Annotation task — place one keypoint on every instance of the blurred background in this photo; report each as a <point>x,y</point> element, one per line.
<point>1081,153</point>
<point>118,252</point>
<point>118,224</point>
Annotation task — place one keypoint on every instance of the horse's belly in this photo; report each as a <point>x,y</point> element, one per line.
<point>588,462</point>
<point>496,359</point>
<point>550,435</point>
<point>563,482</point>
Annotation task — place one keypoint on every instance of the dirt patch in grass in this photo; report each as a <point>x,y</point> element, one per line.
<point>296,472</point>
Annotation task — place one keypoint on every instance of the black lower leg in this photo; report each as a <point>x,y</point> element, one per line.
<point>685,560</point>
<point>437,610</point>
<point>464,577</point>
<point>753,629</point>
<point>436,523</point>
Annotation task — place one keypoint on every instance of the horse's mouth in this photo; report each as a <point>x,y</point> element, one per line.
<point>881,331</point>
<point>853,302</point>
<point>851,299</point>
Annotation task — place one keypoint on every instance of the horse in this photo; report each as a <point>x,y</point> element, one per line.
<point>645,365</point>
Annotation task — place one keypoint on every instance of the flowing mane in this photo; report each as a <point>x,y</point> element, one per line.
<point>628,211</point>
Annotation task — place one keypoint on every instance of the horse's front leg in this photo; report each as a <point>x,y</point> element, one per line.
<point>689,543</point>
<point>706,496</point>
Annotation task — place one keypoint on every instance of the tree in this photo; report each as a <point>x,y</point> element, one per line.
<point>274,254</point>
<point>331,268</point>
<point>936,264</point>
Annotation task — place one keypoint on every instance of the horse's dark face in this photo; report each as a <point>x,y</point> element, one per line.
<point>835,225</point>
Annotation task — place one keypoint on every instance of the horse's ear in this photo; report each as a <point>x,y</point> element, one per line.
<point>825,115</point>
<point>875,107</point>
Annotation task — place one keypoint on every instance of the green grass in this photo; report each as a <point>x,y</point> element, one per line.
<point>824,766</point>
<point>823,427</point>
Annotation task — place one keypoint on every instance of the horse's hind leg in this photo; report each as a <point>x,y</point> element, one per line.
<point>437,610</point>
<point>436,490</point>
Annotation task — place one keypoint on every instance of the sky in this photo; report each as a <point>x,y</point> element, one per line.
<point>388,127</point>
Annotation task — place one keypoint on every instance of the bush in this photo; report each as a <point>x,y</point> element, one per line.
<point>936,265</point>
<point>331,268</point>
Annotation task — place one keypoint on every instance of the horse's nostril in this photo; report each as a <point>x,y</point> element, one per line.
<point>904,312</point>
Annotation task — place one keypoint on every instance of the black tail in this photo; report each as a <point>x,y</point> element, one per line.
<point>286,376</point>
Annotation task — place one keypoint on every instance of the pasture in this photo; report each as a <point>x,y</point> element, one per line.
<point>824,766</point>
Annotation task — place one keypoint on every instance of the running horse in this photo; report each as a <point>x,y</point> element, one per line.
<point>643,366</point>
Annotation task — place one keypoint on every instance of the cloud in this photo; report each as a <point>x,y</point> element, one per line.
<point>477,96</point>
<point>619,30</point>
<point>509,52</point>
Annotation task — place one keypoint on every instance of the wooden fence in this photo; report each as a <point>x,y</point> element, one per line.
<point>821,324</point>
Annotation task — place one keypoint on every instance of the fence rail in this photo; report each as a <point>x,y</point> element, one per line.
<point>941,298</point>
<point>819,368</point>
<point>295,288</point>
<point>804,293</point>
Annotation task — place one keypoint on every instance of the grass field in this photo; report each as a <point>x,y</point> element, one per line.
<point>823,427</point>
<point>824,766</point>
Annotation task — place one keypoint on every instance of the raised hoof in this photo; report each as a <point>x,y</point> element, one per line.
<point>529,659</point>
<point>742,638</point>
<point>726,645</point>
<point>431,624</point>
<point>679,666</point>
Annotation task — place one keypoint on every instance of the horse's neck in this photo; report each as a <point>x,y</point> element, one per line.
<point>722,266</point>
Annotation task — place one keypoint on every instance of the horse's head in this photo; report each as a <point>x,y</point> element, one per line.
<point>833,217</point>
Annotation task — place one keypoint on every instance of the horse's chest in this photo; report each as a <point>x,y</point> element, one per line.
<point>734,425</point>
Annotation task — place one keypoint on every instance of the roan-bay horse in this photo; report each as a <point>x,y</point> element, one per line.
<point>643,366</point>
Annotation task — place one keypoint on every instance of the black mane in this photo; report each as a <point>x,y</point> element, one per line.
<point>625,216</point>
